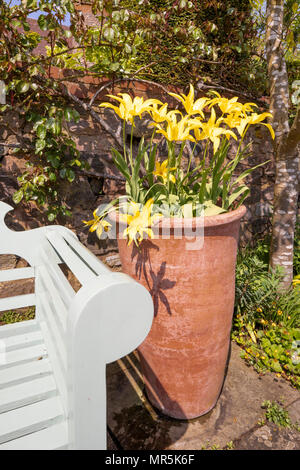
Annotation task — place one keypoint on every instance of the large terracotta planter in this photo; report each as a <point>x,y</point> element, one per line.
<point>184,356</point>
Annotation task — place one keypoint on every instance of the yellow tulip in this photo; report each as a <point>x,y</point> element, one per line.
<point>255,118</point>
<point>232,120</point>
<point>228,106</point>
<point>129,107</point>
<point>98,224</point>
<point>139,223</point>
<point>163,171</point>
<point>177,131</point>
<point>162,114</point>
<point>190,106</point>
<point>211,130</point>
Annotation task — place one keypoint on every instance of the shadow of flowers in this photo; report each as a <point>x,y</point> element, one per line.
<point>156,282</point>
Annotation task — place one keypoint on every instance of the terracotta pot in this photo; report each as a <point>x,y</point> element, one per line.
<point>184,356</point>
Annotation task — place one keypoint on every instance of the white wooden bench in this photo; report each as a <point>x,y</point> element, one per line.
<point>52,368</point>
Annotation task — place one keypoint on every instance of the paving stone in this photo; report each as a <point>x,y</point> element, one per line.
<point>270,437</point>
<point>136,425</point>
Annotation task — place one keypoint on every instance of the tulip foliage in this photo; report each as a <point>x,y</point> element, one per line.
<point>160,184</point>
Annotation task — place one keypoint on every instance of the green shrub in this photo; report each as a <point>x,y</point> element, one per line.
<point>267,320</point>
<point>13,317</point>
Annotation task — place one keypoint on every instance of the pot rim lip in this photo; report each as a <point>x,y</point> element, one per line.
<point>209,221</point>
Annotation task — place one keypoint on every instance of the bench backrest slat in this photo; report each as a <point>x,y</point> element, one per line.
<point>64,288</point>
<point>16,274</point>
<point>81,270</point>
<point>57,302</point>
<point>53,322</point>
<point>56,347</point>
<point>19,301</point>
<point>91,260</point>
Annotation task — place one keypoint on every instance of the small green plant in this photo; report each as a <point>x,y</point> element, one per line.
<point>12,316</point>
<point>267,320</point>
<point>261,422</point>
<point>229,445</point>
<point>272,348</point>
<point>276,414</point>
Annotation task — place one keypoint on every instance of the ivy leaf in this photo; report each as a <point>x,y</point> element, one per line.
<point>70,175</point>
<point>23,86</point>
<point>40,145</point>
<point>18,196</point>
<point>51,216</point>
<point>41,132</point>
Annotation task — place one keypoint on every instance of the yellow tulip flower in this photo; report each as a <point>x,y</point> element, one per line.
<point>232,120</point>
<point>211,130</point>
<point>190,106</point>
<point>177,131</point>
<point>98,224</point>
<point>163,171</point>
<point>255,118</point>
<point>162,114</point>
<point>139,223</point>
<point>228,106</point>
<point>129,107</point>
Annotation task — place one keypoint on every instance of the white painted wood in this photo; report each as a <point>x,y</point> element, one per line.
<point>24,373</point>
<point>81,270</point>
<point>19,328</point>
<point>27,393</point>
<point>57,335</point>
<point>22,341</point>
<point>15,274</point>
<point>59,367</point>
<point>110,317</point>
<point>31,418</point>
<point>24,244</point>
<point>48,286</point>
<point>65,350</point>
<point>20,356</point>
<point>52,438</point>
<point>19,301</point>
<point>65,290</point>
<point>97,266</point>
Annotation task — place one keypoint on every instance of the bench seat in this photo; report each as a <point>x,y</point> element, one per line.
<point>31,411</point>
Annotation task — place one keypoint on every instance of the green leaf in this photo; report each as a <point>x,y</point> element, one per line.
<point>246,173</point>
<point>63,173</point>
<point>40,144</point>
<point>18,196</point>
<point>51,216</point>
<point>70,114</point>
<point>121,164</point>
<point>23,86</point>
<point>54,159</point>
<point>70,175</point>
<point>41,132</point>
<point>212,209</point>
<point>42,22</point>
<point>236,193</point>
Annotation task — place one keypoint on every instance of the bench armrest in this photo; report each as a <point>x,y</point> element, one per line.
<point>108,319</point>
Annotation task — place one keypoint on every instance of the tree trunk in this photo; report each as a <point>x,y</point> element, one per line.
<point>286,152</point>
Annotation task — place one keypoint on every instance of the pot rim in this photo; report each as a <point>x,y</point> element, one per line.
<point>209,220</point>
